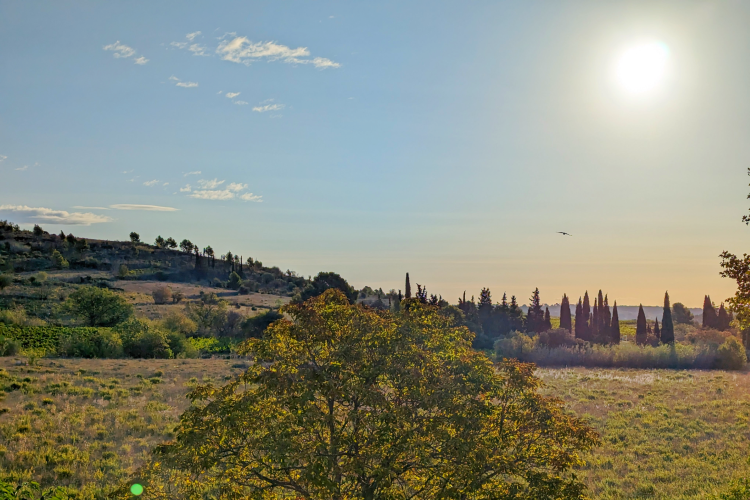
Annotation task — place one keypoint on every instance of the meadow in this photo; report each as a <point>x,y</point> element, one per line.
<point>88,424</point>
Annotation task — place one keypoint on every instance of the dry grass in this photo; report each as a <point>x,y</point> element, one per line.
<point>665,433</point>
<point>88,424</point>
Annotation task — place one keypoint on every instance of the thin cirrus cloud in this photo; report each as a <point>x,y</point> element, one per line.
<point>148,208</point>
<point>241,103</point>
<point>196,48</point>
<point>3,158</point>
<point>180,83</point>
<point>151,183</point>
<point>264,108</point>
<point>122,51</point>
<point>50,216</point>
<point>232,95</point>
<point>210,190</point>
<point>196,172</point>
<point>243,51</point>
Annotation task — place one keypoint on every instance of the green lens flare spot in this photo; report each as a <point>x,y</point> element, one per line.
<point>136,489</point>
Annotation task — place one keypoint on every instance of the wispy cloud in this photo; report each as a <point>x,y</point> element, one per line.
<point>196,48</point>
<point>210,184</point>
<point>151,183</point>
<point>243,51</point>
<point>180,83</point>
<point>196,172</point>
<point>25,167</point>
<point>91,208</point>
<point>50,216</point>
<point>241,103</point>
<point>191,36</point>
<point>268,107</point>
<point>122,51</point>
<point>127,171</point>
<point>149,208</point>
<point>208,191</point>
<point>3,158</point>
<point>232,95</point>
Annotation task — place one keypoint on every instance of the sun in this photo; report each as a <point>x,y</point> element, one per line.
<point>641,68</point>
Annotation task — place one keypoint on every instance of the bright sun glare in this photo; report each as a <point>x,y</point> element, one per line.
<point>642,67</point>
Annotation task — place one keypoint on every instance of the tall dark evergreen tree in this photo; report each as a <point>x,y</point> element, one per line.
<point>565,320</point>
<point>580,322</point>
<point>667,326</point>
<point>606,322</point>
<point>615,327</point>
<point>657,332</point>
<point>723,320</point>
<point>641,327</point>
<point>586,312</point>
<point>547,320</point>
<point>601,331</point>
<point>535,316</point>
<point>407,288</point>
<point>709,313</point>
<point>594,325</point>
<point>486,315</point>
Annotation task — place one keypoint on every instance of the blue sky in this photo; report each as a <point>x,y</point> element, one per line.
<point>450,140</point>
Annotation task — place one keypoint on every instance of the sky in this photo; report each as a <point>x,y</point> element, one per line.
<point>450,140</point>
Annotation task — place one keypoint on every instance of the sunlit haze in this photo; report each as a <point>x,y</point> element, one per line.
<point>448,140</point>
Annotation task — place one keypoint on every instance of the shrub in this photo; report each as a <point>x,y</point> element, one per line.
<point>707,336</point>
<point>98,306</point>
<point>142,340</point>
<point>234,281</point>
<point>177,322</point>
<point>558,337</point>
<point>122,271</point>
<point>103,343</point>
<point>731,355</point>
<point>255,327</point>
<point>58,261</point>
<point>9,347</point>
<point>180,346</point>
<point>5,281</point>
<point>177,297</point>
<point>162,295</point>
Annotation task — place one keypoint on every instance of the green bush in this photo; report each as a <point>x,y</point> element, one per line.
<point>9,347</point>
<point>99,344</point>
<point>98,306</point>
<point>731,355</point>
<point>141,340</point>
<point>739,491</point>
<point>180,346</point>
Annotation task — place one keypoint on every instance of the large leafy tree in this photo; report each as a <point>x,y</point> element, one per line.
<point>98,306</point>
<point>347,403</point>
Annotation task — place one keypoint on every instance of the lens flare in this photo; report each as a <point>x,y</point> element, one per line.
<point>642,68</point>
<point>136,489</point>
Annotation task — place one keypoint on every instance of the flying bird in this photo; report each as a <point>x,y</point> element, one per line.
<point>564,233</point>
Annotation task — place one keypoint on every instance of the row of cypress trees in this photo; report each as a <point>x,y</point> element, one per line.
<point>597,324</point>
<point>712,319</point>
<point>664,335</point>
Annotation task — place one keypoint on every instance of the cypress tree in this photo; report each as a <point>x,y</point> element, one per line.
<point>667,327</point>
<point>601,331</point>
<point>407,288</point>
<point>594,325</point>
<point>586,312</point>
<point>579,320</point>
<point>657,332</point>
<point>615,328</point>
<point>535,316</point>
<point>722,321</point>
<point>709,313</point>
<point>641,327</point>
<point>547,320</point>
<point>606,327</point>
<point>565,321</point>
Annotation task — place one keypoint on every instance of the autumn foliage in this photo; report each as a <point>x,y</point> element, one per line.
<point>343,402</point>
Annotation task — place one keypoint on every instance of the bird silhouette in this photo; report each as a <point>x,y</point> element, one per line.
<point>564,233</point>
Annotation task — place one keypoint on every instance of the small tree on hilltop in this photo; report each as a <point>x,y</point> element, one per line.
<point>135,237</point>
<point>38,231</point>
<point>160,242</point>
<point>170,243</point>
<point>345,403</point>
<point>186,246</point>
<point>667,327</point>
<point>565,319</point>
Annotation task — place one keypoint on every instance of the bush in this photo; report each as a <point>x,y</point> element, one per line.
<point>180,346</point>
<point>122,271</point>
<point>98,306</point>
<point>235,282</point>
<point>142,340</point>
<point>9,347</point>
<point>58,261</point>
<point>103,343</point>
<point>558,337</point>
<point>162,295</point>
<point>177,322</point>
<point>255,327</point>
<point>731,355</point>
<point>5,281</point>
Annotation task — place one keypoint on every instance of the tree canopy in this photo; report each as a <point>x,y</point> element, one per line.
<point>343,402</point>
<point>98,306</point>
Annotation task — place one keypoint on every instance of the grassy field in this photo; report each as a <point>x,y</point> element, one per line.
<point>89,423</point>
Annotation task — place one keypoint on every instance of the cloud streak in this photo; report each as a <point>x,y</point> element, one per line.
<point>243,51</point>
<point>180,83</point>
<point>208,190</point>
<point>148,208</point>
<point>51,216</point>
<point>122,51</point>
<point>268,107</point>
